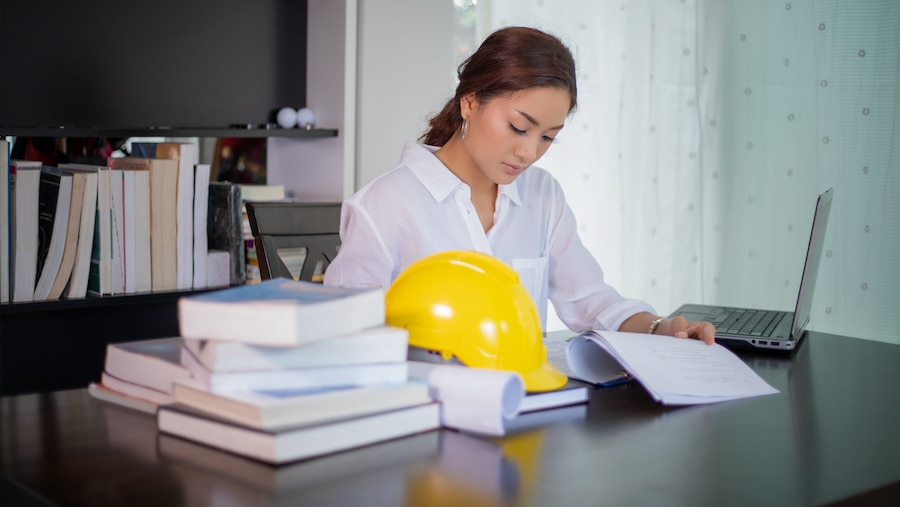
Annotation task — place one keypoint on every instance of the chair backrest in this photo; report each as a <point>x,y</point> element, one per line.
<point>302,235</point>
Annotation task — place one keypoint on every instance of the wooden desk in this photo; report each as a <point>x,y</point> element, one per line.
<point>829,437</point>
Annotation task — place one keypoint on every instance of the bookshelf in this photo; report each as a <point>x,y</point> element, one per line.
<point>295,133</point>
<point>52,345</point>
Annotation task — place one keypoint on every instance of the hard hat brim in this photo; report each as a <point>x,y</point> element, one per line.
<point>545,378</point>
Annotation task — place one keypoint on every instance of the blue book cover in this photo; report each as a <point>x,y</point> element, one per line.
<point>280,312</point>
<point>279,289</point>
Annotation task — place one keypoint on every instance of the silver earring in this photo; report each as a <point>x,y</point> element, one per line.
<point>464,130</point>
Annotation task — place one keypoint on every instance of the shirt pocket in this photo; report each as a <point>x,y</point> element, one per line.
<point>534,275</point>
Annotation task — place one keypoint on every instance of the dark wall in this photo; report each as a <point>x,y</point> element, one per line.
<point>178,63</point>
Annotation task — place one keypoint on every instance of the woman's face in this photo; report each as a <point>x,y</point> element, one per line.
<point>509,133</point>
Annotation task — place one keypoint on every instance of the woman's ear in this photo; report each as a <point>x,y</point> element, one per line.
<point>467,104</point>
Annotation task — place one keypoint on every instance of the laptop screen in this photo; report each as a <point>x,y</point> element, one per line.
<point>811,266</point>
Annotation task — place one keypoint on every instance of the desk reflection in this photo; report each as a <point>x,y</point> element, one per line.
<point>437,468</point>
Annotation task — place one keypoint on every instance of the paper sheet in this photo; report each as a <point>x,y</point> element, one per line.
<point>674,371</point>
<point>472,399</point>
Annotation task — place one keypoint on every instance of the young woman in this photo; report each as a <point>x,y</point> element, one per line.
<point>471,185</point>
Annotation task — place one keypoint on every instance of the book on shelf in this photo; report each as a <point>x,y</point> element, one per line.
<point>136,207</point>
<point>71,243</point>
<point>99,275</point>
<point>673,371</point>
<point>572,393</point>
<point>117,218</point>
<point>275,408</point>
<point>25,182</point>
<point>129,241</point>
<point>295,378</point>
<point>4,221</point>
<point>279,312</point>
<point>256,193</point>
<point>379,344</point>
<point>81,268</point>
<point>163,217</point>
<point>299,442</point>
<point>109,395</point>
<point>223,226</point>
<point>54,198</point>
<point>262,192</point>
<point>218,268</point>
<point>154,363</point>
<point>140,271</point>
<point>186,156</point>
<point>201,205</point>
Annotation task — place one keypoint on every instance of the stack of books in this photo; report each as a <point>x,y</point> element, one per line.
<point>283,370</point>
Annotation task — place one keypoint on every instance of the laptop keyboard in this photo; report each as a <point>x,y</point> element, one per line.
<point>743,322</point>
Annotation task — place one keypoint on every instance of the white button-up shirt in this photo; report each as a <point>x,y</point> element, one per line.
<point>421,208</point>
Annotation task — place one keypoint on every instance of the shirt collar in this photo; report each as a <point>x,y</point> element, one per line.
<point>437,179</point>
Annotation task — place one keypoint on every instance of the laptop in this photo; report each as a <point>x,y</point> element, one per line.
<point>770,330</point>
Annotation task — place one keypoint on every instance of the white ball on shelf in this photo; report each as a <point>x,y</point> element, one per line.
<point>287,117</point>
<point>306,118</point>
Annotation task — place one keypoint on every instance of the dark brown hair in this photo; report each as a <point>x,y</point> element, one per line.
<point>509,60</point>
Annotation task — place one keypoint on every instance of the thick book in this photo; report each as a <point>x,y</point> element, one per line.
<point>572,393</point>
<point>296,442</point>
<point>152,363</point>
<point>201,205</point>
<point>276,408</point>
<point>25,182</point>
<point>99,275</point>
<point>4,221</point>
<point>186,156</point>
<point>279,312</point>
<point>81,268</point>
<point>54,198</point>
<point>136,201</point>
<point>295,378</point>
<point>117,217</point>
<point>142,256</point>
<point>109,395</point>
<point>138,391</point>
<point>163,217</point>
<point>128,214</point>
<point>224,228</point>
<point>673,371</point>
<point>67,262</point>
<point>380,344</point>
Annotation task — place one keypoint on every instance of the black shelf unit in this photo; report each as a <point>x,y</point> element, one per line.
<point>61,344</point>
<point>255,132</point>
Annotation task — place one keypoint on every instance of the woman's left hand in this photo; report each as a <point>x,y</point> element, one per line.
<point>679,327</point>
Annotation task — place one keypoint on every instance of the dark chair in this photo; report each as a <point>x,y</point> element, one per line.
<point>303,236</point>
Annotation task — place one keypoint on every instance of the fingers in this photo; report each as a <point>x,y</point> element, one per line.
<point>680,327</point>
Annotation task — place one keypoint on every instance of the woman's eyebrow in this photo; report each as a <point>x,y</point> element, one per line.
<point>535,122</point>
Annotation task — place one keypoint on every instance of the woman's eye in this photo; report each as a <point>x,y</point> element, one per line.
<point>514,129</point>
<point>549,139</point>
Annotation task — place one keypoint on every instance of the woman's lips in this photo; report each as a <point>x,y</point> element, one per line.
<point>512,169</point>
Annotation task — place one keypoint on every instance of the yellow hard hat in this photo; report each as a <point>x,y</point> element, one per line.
<point>472,307</point>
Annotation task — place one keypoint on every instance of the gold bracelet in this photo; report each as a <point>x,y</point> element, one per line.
<point>655,324</point>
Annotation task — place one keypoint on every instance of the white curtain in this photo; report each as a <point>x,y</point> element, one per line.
<point>705,130</point>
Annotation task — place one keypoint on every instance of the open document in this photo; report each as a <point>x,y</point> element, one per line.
<point>674,371</point>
